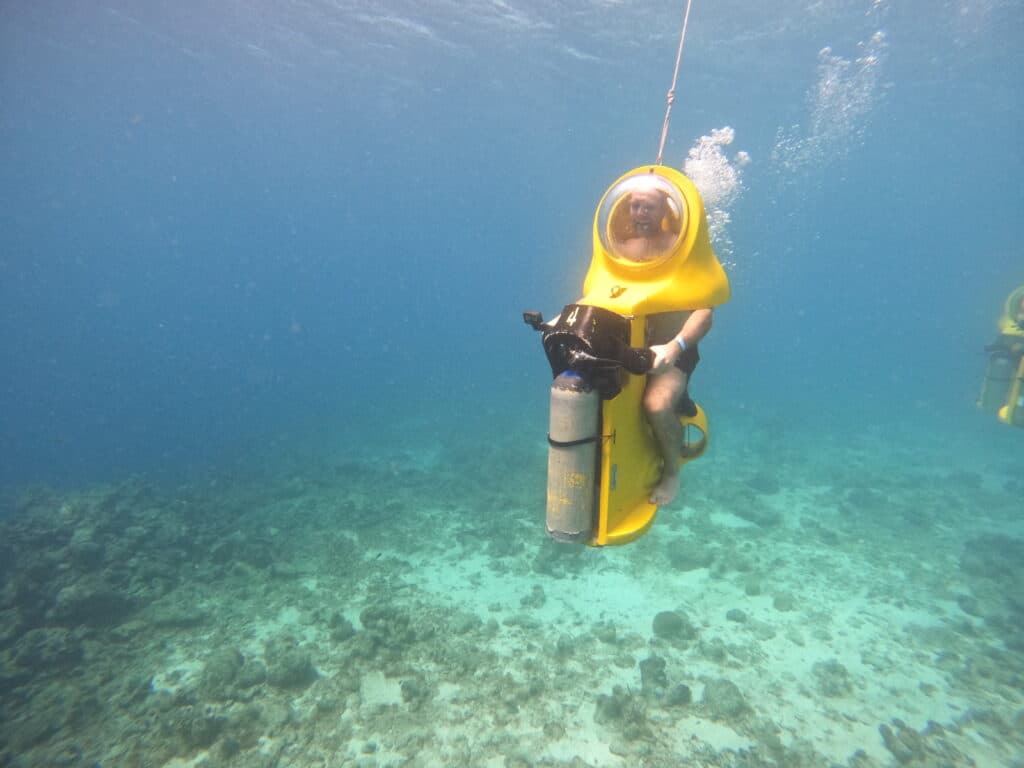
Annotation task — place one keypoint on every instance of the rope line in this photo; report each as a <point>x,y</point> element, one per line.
<point>671,96</point>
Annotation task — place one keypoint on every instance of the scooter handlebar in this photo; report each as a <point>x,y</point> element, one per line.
<point>636,360</point>
<point>534,319</point>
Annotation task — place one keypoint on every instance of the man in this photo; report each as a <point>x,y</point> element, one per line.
<point>648,239</point>
<point>665,394</point>
<point>672,336</point>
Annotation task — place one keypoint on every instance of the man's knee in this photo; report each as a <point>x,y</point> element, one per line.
<point>663,393</point>
<point>657,402</point>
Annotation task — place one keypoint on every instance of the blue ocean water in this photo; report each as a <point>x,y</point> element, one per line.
<point>236,224</point>
<point>273,430</point>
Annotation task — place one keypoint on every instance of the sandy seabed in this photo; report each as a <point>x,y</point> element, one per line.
<point>804,603</point>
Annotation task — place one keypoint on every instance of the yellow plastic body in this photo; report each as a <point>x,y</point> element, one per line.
<point>687,278</point>
<point>1011,343</point>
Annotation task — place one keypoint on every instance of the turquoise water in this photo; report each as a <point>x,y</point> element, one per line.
<point>274,433</point>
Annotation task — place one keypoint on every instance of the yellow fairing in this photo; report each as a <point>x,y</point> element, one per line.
<point>697,423</point>
<point>630,463</point>
<point>686,276</point>
<point>689,276</point>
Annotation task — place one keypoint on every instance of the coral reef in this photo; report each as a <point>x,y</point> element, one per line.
<point>295,621</point>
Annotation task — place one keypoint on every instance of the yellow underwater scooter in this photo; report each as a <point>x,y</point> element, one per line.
<point>1003,388</point>
<point>603,459</point>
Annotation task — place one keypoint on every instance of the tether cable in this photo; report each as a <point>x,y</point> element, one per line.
<point>671,97</point>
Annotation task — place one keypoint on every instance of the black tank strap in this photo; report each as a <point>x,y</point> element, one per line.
<point>571,443</point>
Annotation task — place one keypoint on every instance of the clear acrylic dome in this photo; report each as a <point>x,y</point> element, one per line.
<point>641,218</point>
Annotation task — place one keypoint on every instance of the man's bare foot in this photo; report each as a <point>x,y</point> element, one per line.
<point>665,491</point>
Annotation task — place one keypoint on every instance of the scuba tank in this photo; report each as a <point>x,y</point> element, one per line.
<point>573,437</point>
<point>587,348</point>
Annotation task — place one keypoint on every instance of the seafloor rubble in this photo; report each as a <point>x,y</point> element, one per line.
<point>789,619</point>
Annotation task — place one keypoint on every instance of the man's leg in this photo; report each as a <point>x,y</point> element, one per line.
<point>661,397</point>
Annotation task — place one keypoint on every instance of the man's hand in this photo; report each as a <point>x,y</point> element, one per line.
<point>665,356</point>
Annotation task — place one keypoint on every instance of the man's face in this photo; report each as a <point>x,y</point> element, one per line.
<point>647,207</point>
